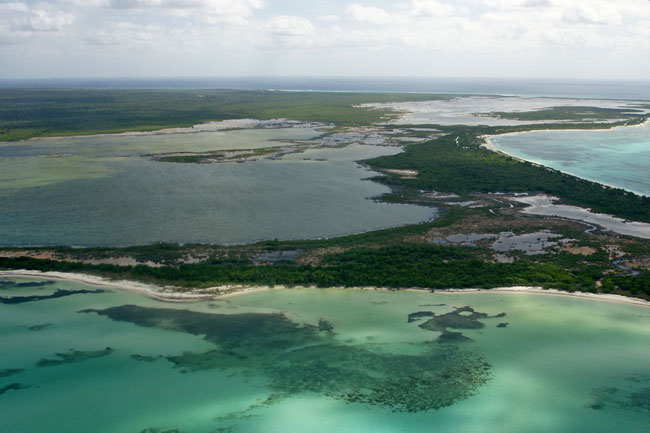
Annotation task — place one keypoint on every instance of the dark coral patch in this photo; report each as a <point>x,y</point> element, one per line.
<point>300,358</point>
<point>460,318</point>
<point>12,387</point>
<point>10,372</point>
<point>73,356</point>
<point>60,293</point>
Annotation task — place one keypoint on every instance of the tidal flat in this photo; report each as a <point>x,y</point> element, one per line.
<point>508,110</point>
<point>312,360</point>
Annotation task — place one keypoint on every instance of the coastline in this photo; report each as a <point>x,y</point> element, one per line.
<point>489,145</point>
<point>168,294</point>
<point>148,290</point>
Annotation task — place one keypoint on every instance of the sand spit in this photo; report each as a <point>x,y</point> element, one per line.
<point>170,294</point>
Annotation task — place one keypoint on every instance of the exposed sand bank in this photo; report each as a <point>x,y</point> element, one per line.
<point>171,294</point>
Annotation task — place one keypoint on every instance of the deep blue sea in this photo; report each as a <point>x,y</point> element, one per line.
<point>525,87</point>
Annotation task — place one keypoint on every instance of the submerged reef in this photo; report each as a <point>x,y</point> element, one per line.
<point>12,386</point>
<point>460,318</point>
<point>40,327</point>
<point>4,283</point>
<point>73,356</point>
<point>237,333</point>
<point>635,396</point>
<point>298,358</point>
<point>146,358</point>
<point>434,379</point>
<point>160,430</point>
<point>10,372</point>
<point>60,293</point>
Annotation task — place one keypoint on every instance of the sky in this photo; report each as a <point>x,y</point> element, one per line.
<point>591,39</point>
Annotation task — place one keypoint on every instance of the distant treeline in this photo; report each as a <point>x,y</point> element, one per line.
<point>28,113</point>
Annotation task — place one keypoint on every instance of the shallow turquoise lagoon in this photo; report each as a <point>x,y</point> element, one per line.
<point>105,191</point>
<point>619,157</point>
<point>310,360</point>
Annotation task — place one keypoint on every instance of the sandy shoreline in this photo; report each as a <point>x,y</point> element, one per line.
<point>168,294</point>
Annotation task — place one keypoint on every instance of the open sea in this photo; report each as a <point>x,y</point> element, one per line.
<point>607,89</point>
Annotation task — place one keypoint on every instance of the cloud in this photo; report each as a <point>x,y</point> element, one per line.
<point>227,6</point>
<point>430,8</point>
<point>587,14</point>
<point>236,12</point>
<point>330,18</point>
<point>20,21</point>
<point>125,35</point>
<point>359,36</point>
<point>14,7</point>
<point>369,14</point>
<point>290,26</point>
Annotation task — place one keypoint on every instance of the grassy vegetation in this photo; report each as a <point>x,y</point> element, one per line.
<point>33,113</point>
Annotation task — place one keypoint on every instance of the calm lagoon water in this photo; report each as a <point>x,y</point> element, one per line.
<point>618,157</point>
<point>104,191</point>
<point>310,360</point>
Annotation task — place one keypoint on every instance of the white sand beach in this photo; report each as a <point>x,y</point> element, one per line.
<point>175,294</point>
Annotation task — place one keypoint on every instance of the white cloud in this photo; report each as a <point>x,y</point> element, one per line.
<point>359,36</point>
<point>42,20</point>
<point>20,21</point>
<point>370,14</point>
<point>290,27</point>
<point>125,35</point>
<point>330,18</point>
<point>430,8</point>
<point>590,14</point>
<point>226,6</point>
<point>14,7</point>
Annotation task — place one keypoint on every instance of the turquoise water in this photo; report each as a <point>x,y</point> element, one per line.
<point>104,191</point>
<point>619,157</point>
<point>261,363</point>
